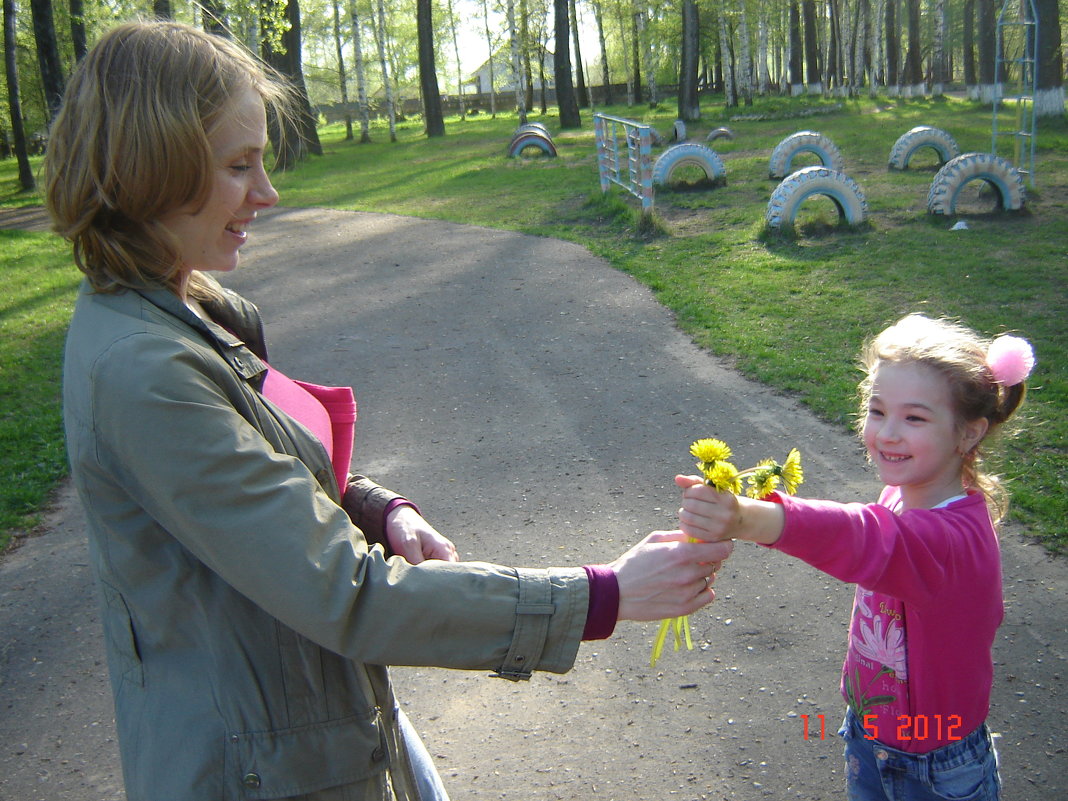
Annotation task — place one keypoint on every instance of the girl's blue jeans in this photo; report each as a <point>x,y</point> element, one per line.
<point>965,770</point>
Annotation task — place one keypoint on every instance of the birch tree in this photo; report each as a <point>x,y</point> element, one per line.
<point>606,82</point>
<point>361,73</point>
<point>341,76</point>
<point>517,67</point>
<point>492,60</point>
<point>379,25</point>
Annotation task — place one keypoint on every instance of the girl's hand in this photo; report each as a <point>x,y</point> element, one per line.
<point>665,575</point>
<point>416,540</point>
<point>706,513</point>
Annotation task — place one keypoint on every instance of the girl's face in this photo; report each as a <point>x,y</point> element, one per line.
<point>210,236</point>
<point>913,436</point>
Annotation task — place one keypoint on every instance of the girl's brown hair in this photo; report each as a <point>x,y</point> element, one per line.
<point>959,354</point>
<point>130,144</point>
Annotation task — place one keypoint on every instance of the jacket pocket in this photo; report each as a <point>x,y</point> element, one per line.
<point>304,759</point>
<point>125,659</point>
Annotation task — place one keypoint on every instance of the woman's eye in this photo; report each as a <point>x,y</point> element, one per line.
<point>240,167</point>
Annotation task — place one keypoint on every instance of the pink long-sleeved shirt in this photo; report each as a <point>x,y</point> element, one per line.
<point>918,668</point>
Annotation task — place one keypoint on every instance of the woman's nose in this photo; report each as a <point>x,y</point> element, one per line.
<point>263,194</point>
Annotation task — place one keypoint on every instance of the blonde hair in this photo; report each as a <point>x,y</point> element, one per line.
<point>960,355</point>
<point>130,144</point>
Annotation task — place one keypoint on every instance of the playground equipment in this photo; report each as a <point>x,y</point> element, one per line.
<point>624,157</point>
<point>689,154</point>
<point>919,137</point>
<point>998,172</point>
<point>532,134</point>
<point>815,180</point>
<point>804,142</point>
<point>719,133</point>
<point>1015,62</point>
<point>678,131</point>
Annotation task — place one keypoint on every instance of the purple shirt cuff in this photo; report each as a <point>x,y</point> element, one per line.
<point>603,610</point>
<point>393,505</point>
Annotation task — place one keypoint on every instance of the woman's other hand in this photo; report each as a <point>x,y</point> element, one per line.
<point>416,540</point>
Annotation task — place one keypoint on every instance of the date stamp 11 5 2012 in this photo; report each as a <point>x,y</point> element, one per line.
<point>909,727</point>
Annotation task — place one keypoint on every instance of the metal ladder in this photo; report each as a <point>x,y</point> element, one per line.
<point>1017,30</point>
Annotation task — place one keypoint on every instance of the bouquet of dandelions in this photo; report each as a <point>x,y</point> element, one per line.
<point>763,479</point>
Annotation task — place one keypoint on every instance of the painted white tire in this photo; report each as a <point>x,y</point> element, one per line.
<point>719,133</point>
<point>690,154</point>
<point>922,136</point>
<point>797,187</point>
<point>956,173</point>
<point>804,142</point>
<point>531,126</point>
<point>526,139</point>
<point>678,132</point>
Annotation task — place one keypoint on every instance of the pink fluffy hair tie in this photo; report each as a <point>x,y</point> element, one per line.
<point>1010,359</point>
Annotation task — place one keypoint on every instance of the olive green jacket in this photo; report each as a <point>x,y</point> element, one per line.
<point>248,621</point>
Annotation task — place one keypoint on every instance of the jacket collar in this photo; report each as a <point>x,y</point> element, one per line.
<point>229,345</point>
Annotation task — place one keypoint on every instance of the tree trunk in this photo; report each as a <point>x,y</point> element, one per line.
<point>606,81</point>
<point>213,17</point>
<point>914,56</point>
<point>428,78</point>
<point>797,81</point>
<point>361,73</point>
<point>565,92</point>
<point>745,78</point>
<point>77,29</point>
<point>813,74</point>
<point>637,25</point>
<point>580,78</point>
<point>44,35</point>
<point>489,47</point>
<point>834,70</point>
<point>517,66</point>
<point>379,25</point>
<point>342,77</point>
<point>971,78</point>
<point>459,71</point>
<point>893,51</point>
<point>161,9</point>
<point>14,104</point>
<point>730,94</point>
<point>763,78</point>
<point>1049,96</point>
<point>689,107</point>
<point>987,45</point>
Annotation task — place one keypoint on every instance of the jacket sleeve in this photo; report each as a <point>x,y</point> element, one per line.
<point>913,556</point>
<point>174,428</point>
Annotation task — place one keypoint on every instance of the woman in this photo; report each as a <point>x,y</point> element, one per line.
<point>253,591</point>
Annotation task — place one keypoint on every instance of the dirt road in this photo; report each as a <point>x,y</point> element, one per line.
<point>537,403</point>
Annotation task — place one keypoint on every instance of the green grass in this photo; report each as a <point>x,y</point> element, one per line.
<point>37,286</point>
<point>790,311</point>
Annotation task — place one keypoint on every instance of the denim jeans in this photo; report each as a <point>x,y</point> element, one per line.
<point>427,778</point>
<point>965,770</point>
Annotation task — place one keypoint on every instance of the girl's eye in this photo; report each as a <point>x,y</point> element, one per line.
<point>240,167</point>
<point>874,412</point>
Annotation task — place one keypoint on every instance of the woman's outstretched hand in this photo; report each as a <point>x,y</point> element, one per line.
<point>415,539</point>
<point>666,575</point>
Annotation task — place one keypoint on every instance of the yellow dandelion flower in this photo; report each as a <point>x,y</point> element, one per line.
<point>792,474</point>
<point>710,450</point>
<point>724,477</point>
<point>763,480</point>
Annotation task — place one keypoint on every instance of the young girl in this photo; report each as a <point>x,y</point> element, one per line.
<point>918,668</point>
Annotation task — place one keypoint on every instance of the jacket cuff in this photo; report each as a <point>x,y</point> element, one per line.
<point>534,614</point>
<point>366,504</point>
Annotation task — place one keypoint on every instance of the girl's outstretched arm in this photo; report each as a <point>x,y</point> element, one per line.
<point>708,514</point>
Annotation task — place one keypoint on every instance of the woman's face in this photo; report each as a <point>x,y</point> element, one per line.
<point>210,236</point>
